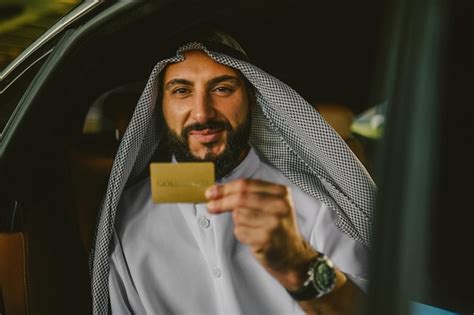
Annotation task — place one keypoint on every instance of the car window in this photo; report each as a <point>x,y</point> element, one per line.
<point>22,22</point>
<point>10,97</point>
<point>28,34</point>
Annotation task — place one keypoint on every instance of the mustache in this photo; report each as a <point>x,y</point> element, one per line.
<point>214,124</point>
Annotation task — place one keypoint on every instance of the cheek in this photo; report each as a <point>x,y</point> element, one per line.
<point>238,118</point>
<point>239,111</point>
<point>174,116</point>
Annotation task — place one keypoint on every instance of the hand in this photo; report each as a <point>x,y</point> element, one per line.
<point>265,219</point>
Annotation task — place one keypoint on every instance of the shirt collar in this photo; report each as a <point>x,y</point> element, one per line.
<point>245,169</point>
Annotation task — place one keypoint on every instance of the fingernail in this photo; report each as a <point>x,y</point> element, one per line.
<point>211,192</point>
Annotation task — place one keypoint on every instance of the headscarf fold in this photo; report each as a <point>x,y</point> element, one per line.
<point>287,132</point>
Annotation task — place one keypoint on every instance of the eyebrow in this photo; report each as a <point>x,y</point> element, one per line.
<point>223,78</point>
<point>174,82</point>
<point>214,81</point>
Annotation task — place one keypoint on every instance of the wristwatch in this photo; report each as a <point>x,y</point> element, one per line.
<point>321,280</point>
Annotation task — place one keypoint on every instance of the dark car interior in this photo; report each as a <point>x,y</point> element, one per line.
<point>327,51</point>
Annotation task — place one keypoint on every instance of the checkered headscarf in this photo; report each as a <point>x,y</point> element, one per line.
<point>287,132</point>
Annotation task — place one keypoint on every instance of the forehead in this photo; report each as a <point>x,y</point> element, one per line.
<point>197,65</point>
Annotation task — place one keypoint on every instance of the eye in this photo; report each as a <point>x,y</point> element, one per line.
<point>180,90</point>
<point>223,90</point>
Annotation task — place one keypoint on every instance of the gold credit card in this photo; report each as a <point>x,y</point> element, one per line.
<point>181,182</point>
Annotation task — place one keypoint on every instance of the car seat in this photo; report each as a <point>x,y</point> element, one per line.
<point>13,273</point>
<point>92,155</point>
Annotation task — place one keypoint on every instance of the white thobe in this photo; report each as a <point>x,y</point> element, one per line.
<point>179,259</point>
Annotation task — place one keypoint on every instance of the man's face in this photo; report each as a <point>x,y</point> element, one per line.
<point>206,109</point>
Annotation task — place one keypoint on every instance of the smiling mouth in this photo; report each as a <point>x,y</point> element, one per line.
<point>206,135</point>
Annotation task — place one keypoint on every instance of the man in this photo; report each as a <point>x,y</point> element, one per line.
<point>250,248</point>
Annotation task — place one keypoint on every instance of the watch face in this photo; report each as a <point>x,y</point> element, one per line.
<point>324,276</point>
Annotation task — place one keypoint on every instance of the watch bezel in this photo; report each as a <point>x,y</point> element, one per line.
<point>311,289</point>
<point>315,275</point>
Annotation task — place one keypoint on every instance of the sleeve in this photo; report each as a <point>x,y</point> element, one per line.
<point>349,255</point>
<point>124,299</point>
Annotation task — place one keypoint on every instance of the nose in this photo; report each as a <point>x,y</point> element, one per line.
<point>202,108</point>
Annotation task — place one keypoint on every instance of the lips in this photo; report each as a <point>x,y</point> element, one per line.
<point>206,135</point>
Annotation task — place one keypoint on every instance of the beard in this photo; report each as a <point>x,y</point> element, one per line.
<point>227,160</point>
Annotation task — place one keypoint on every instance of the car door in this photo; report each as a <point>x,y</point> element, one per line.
<point>107,51</point>
<point>36,244</point>
<point>423,251</point>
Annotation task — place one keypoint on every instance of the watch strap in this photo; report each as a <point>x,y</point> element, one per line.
<point>305,293</point>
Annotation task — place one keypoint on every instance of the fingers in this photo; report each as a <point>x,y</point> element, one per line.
<point>246,186</point>
<point>260,202</point>
<point>248,193</point>
<point>257,239</point>
<point>254,219</point>
<point>263,214</point>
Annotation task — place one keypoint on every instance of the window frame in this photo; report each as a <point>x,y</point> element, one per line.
<point>40,50</point>
<point>407,162</point>
<point>78,12</point>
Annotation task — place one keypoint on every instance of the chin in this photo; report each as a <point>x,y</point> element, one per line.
<point>208,150</point>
